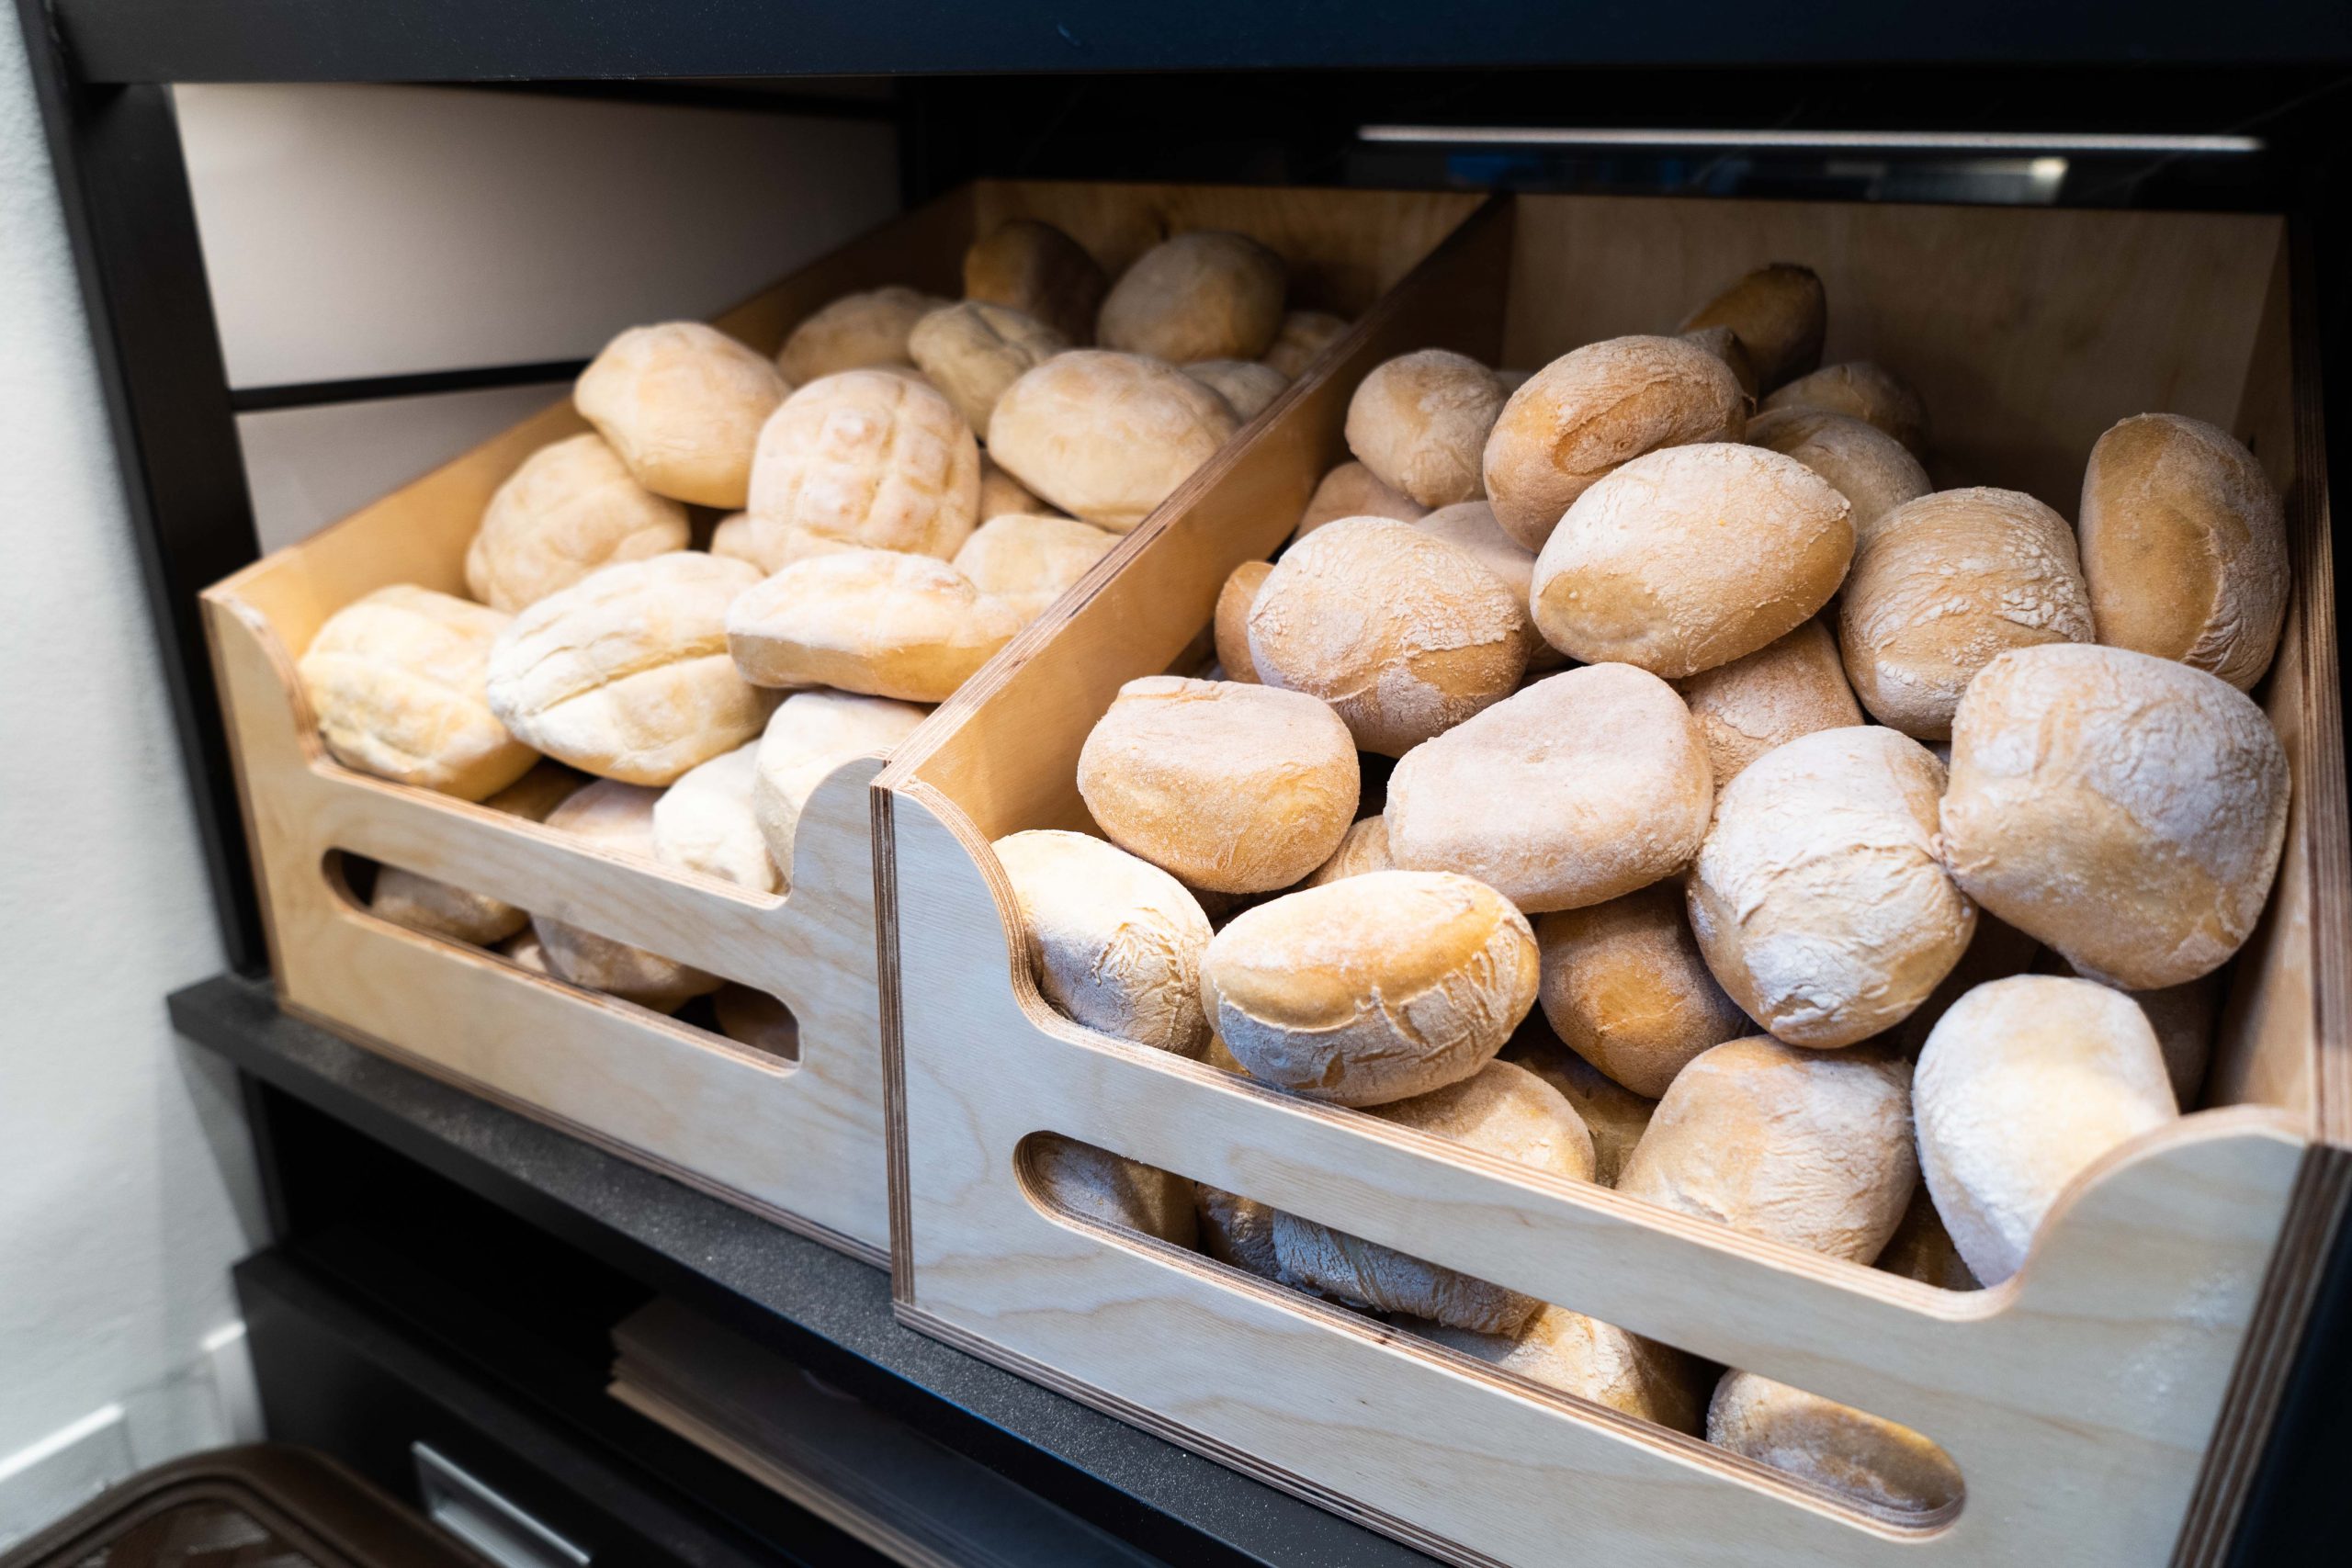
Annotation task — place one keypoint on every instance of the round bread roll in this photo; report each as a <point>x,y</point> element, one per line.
<point>1724,345</point>
<point>398,683</point>
<point>1230,626</point>
<point>811,734</point>
<point>1107,436</point>
<point>1781,315</point>
<point>1862,390</point>
<point>732,537</point>
<point>758,1019</point>
<point>1001,493</point>
<point>1302,335</point>
<point>1352,491</point>
<point>617,819</point>
<point>1624,988</point>
<point>1998,951</point>
<point>1871,469</point>
<point>1501,1110</point>
<point>704,824</point>
<point>1577,789</point>
<point>1615,1115</point>
<point>855,331</point>
<point>1237,1230</point>
<point>1948,583</point>
<point>1767,698</point>
<point>1808,1147</point>
<point>1848,1451</point>
<point>1032,560</point>
<point>1034,268</point>
<point>682,404</point>
<point>1471,526</point>
<point>1210,294</point>
<point>1364,848</point>
<point>2125,809</point>
<point>625,674</point>
<point>2184,547</point>
<point>572,507</point>
<point>1817,899</point>
<point>2183,1017</point>
<point>427,904</point>
<point>1690,557</point>
<point>1419,423</point>
<point>1589,1359</point>
<point>1246,385</point>
<point>1587,412</point>
<point>1116,942</point>
<point>2022,1085</point>
<point>972,352</point>
<point>1372,989</point>
<point>1404,635</point>
<point>1111,1189</point>
<point>1922,1250</point>
<point>871,458</point>
<point>1231,787</point>
<point>872,621</point>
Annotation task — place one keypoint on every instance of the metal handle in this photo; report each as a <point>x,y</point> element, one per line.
<point>469,1509</point>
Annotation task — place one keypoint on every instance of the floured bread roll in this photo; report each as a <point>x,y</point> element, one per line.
<point>855,332</point>
<point>1780,313</point>
<point>2183,1017</point>
<point>1030,560</point>
<point>1502,1111</point>
<point>1001,493</point>
<point>731,536</point>
<point>1922,1250</point>
<point>1818,899</point>
<point>872,621</point>
<point>1945,584</point>
<point>428,904</point>
<point>1849,1451</point>
<point>2184,547</point>
<point>1302,336</point>
<point>1871,469</point>
<point>1404,635</point>
<point>1115,941</point>
<point>1230,626</point>
<point>618,818</point>
<point>1613,1114</point>
<point>1115,1190</point>
<point>1365,848</point>
<point>871,458</point>
<point>1724,345</point>
<point>1760,700</point>
<point>398,683</point>
<point>1034,267</point>
<point>1246,385</point>
<point>1353,491</point>
<point>1237,1230</point>
<point>1579,788</point>
<point>1998,951</point>
<point>2125,809</point>
<point>1862,390</point>
<point>1625,988</point>
<point>972,352</point>
<point>758,1019</point>
<point>812,734</point>
<point>1471,526</point>
<point>1419,423</point>
<point>1107,436</point>
<point>572,507</point>
<point>1808,1147</point>
<point>1589,1359</point>
<point>1210,294</point>
<point>1231,787</point>
<point>682,404</point>
<point>2022,1085</point>
<point>625,674</point>
<point>703,823</point>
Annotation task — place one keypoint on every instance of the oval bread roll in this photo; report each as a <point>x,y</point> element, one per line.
<point>1767,698</point>
<point>1922,1250</point>
<point>1471,526</point>
<point>758,1019</point>
<point>1032,560</point>
<point>1780,313</point>
<point>570,508</point>
<point>1817,899</point>
<point>1613,1114</point>
<point>972,352</point>
<point>1302,335</point>
<point>618,818</point>
<point>855,331</point>
<point>871,458</point>
<point>1625,988</point>
<point>1352,489</point>
<point>1419,423</point>
<point>1237,1230</point>
<point>811,734</point>
<point>1849,1451</point>
<point>1690,557</point>
<point>1862,390</point>
<point>1246,385</point>
<point>1210,294</point>
<point>1230,626</point>
<point>2125,809</point>
<point>398,681</point>
<point>1871,469</point>
<point>1001,493</point>
<point>1364,848</point>
<point>1724,345</point>
<point>1114,1190</point>
<point>1107,436</point>
<point>704,824</point>
<point>1579,788</point>
<point>1404,635</point>
<point>428,904</point>
<point>1372,989</point>
<point>2022,1085</point>
<point>2184,547</point>
<point>1589,1359</point>
<point>1591,410</point>
<point>872,621</point>
<point>682,404</point>
<point>1036,268</point>
<point>1231,787</point>
<point>1116,942</point>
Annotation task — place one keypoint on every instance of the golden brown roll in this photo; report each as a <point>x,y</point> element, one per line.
<point>1352,491</point>
<point>972,352</point>
<point>1871,469</point>
<point>1724,345</point>
<point>1001,493</point>
<point>1589,1359</point>
<point>619,820</point>
<point>1851,1452</point>
<point>1615,1115</point>
<point>1781,315</point>
<point>1862,390</point>
<point>1230,626</point>
<point>1210,294</point>
<point>1364,848</point>
<point>1302,335</point>
<point>857,332</point>
<point>572,507</point>
<point>1034,267</point>
<point>1107,436</point>
<point>1767,698</point>
<point>682,404</point>
<point>1625,988</point>
<point>1471,526</point>
<point>1032,560</point>
<point>1116,942</point>
<point>1419,423</point>
<point>1246,385</point>
<point>872,621</point>
<point>868,459</point>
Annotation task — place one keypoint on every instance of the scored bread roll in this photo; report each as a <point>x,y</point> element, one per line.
<point>1034,267</point>
<point>1210,294</point>
<point>1032,560</point>
<point>704,824</point>
<point>1107,436</point>
<point>1114,940</point>
<point>758,1019</point>
<point>1871,469</point>
<point>1231,787</point>
<point>1419,423</point>
<point>1365,848</point>
<point>1851,1452</point>
<point>855,331</point>
<point>1588,412</point>
<point>570,508</point>
<point>1945,584</point>
<point>1625,988</point>
<point>1237,1230</point>
<point>2022,1085</point>
<point>1001,493</point>
<point>1767,698</point>
<point>1111,1188</point>
<point>1922,1250</point>
<point>1471,526</point>
<point>1246,385</point>
<point>1613,1114</point>
<point>616,818</point>
<point>872,621</point>
<point>2184,547</point>
<point>682,404</point>
<point>1724,345</point>
<point>1302,335</point>
<point>869,458</point>
<point>1352,489</point>
<point>1230,627</point>
<point>1780,315</point>
<point>2127,810</point>
<point>1578,788</point>
<point>972,352</point>
<point>1589,1359</point>
<point>811,734</point>
<point>1818,898</point>
<point>427,904</point>
<point>1862,390</point>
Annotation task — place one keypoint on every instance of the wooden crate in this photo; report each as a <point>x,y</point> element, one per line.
<point>800,1142</point>
<point>2104,1406</point>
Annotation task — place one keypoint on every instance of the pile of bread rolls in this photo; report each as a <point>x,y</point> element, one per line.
<point>1766,831</point>
<point>612,680</point>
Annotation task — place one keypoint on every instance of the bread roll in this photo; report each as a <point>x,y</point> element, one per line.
<point>1001,493</point>
<point>1624,988</point>
<point>855,331</point>
<point>525,950</point>
<point>1589,1359</point>
<point>758,1019</point>
<point>1419,423</point>
<point>1724,345</point>
<point>2125,809</point>
<point>1404,635</point>
<point>1352,491</point>
<point>703,823</point>
<point>1107,436</point>
<point>1206,294</point>
<point>811,734</point>
<point>572,507</point>
<point>1580,788</point>
<point>2182,1016</point>
<point>1230,626</point>
<point>1237,1230</point>
<point>1471,526</point>
<point>1613,1114</point>
<point>1231,787</point>
<point>1817,899</point>
<point>1871,469</point>
<point>1690,557</point>
<point>772,546</point>
<point>1111,1188</point>
<point>1246,385</point>
<point>430,905</point>
<point>1862,390</point>
<point>732,537</point>
<point>2184,547</point>
<point>1502,1111</point>
<point>870,458</point>
<point>1034,267</point>
<point>1848,1451</point>
<point>682,404</point>
<point>626,675</point>
<point>1808,1147</point>
<point>1760,700</point>
<point>1922,1250</point>
<point>1032,560</point>
<point>1302,335</point>
<point>619,820</point>
<point>1948,583</point>
<point>1116,942</point>
<point>972,352</point>
<point>1780,316</point>
<point>397,681</point>
<point>872,621</point>
<point>2022,1085</point>
<point>1364,848</point>
<point>1998,951</point>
